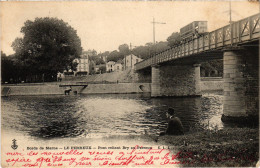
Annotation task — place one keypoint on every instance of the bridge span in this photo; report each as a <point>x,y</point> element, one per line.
<point>176,72</point>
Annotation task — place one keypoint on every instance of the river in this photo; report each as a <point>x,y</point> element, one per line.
<point>94,116</point>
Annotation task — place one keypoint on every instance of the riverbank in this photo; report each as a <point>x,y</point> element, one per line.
<point>52,88</point>
<point>229,147</point>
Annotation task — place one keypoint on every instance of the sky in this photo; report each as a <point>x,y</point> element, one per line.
<point>104,25</point>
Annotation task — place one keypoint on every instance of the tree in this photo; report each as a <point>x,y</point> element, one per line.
<point>160,47</point>
<point>213,68</point>
<point>90,52</point>
<point>11,71</point>
<point>49,45</point>
<point>142,51</point>
<point>174,39</point>
<point>150,49</point>
<point>6,68</point>
<point>124,49</point>
<point>102,69</point>
<point>92,67</point>
<point>97,60</point>
<point>115,56</point>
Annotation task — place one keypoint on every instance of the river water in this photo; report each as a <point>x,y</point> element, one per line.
<point>94,116</point>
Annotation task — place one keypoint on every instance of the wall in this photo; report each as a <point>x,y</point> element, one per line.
<point>35,90</point>
<point>211,84</point>
<point>52,89</point>
<point>117,88</point>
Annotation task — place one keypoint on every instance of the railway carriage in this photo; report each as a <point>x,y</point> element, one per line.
<point>193,30</point>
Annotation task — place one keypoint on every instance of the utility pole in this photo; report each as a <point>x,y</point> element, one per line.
<point>154,22</point>
<point>230,17</point>
<point>131,54</point>
<point>131,50</point>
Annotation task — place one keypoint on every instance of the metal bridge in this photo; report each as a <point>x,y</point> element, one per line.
<point>237,33</point>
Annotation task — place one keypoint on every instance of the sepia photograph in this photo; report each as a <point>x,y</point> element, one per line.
<point>129,83</point>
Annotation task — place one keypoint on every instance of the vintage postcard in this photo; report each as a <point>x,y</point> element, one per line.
<point>129,84</point>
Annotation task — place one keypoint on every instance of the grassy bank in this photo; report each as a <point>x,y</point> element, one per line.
<point>231,147</point>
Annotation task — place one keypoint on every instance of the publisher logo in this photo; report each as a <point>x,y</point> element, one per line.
<point>14,145</point>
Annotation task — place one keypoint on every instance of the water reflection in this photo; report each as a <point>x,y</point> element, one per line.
<point>105,115</point>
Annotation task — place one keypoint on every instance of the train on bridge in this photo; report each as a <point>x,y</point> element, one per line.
<point>193,30</point>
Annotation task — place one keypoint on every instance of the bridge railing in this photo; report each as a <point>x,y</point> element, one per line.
<point>237,32</point>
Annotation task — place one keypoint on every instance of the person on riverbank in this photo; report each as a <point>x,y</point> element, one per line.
<point>175,126</point>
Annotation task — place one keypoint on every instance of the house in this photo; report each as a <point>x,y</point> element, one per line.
<point>130,60</point>
<point>110,66</point>
<point>83,65</point>
<point>118,65</point>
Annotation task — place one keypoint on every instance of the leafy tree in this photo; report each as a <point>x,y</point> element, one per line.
<point>143,52</point>
<point>11,70</point>
<point>150,49</point>
<point>174,39</point>
<point>102,69</point>
<point>7,67</point>
<point>49,45</point>
<point>160,47</point>
<point>90,52</point>
<point>115,56</point>
<point>213,68</point>
<point>92,67</point>
<point>97,60</point>
<point>124,49</point>
<point>3,54</point>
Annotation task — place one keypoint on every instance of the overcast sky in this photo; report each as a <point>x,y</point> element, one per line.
<point>103,26</point>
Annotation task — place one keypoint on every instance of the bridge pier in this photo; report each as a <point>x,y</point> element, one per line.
<point>143,76</point>
<point>177,80</point>
<point>155,86</point>
<point>240,85</point>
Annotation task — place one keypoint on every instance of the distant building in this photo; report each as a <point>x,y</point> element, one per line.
<point>60,76</point>
<point>118,65</point>
<point>130,60</point>
<point>110,66</point>
<point>83,65</point>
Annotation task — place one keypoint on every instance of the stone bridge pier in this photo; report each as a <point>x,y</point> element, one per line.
<point>175,80</point>
<point>240,85</point>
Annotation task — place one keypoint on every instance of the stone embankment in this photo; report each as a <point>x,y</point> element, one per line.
<point>54,89</point>
<point>116,82</point>
<point>209,84</point>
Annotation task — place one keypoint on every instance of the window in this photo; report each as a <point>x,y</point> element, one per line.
<point>117,67</point>
<point>136,60</point>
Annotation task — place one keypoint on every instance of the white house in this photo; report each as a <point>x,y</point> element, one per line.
<point>110,66</point>
<point>131,60</point>
<point>83,65</point>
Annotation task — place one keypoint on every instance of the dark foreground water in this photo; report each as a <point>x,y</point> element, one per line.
<point>105,115</point>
